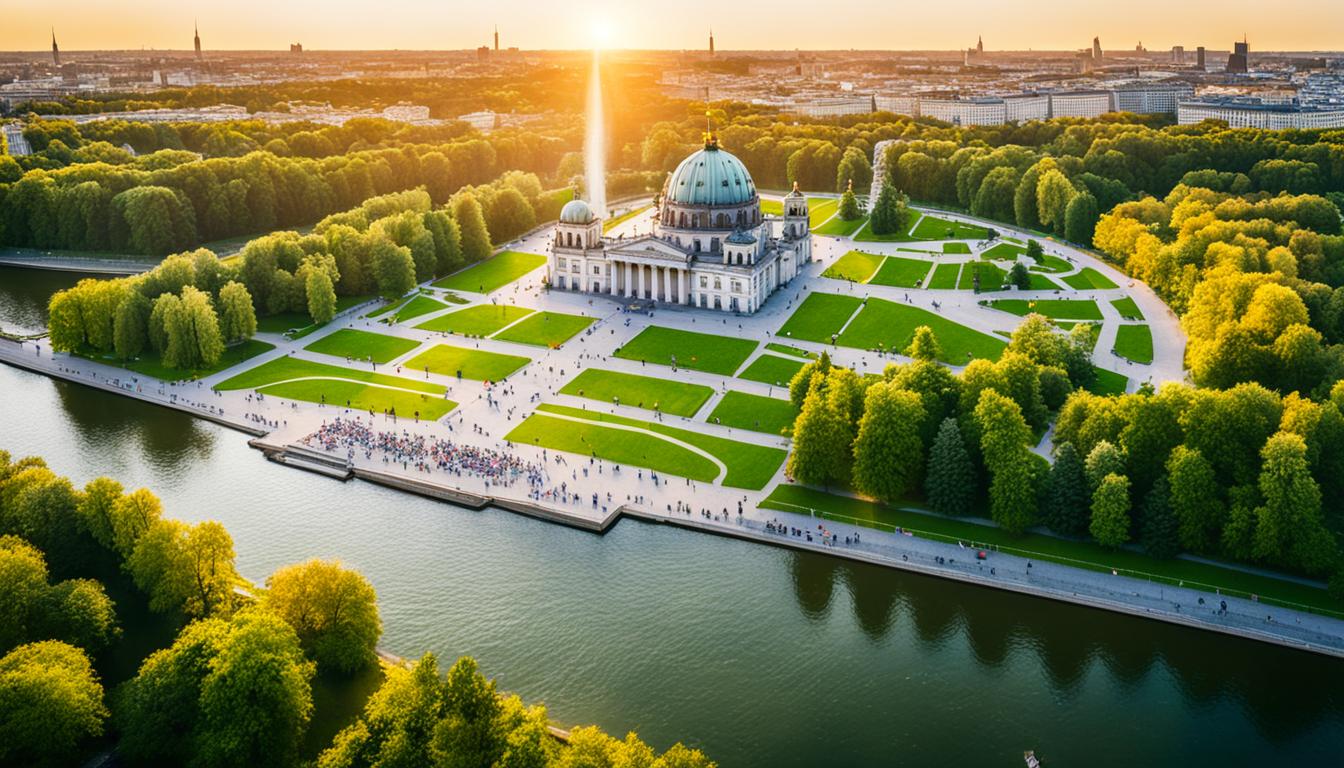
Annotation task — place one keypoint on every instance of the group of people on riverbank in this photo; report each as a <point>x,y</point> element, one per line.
<point>425,454</point>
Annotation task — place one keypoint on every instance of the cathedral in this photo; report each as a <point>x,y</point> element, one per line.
<point>711,247</point>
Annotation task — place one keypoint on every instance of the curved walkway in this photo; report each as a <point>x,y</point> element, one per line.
<point>723,468</point>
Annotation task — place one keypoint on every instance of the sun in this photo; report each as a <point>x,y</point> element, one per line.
<point>601,30</point>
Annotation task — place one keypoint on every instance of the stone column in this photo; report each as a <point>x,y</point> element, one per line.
<point>639,280</point>
<point>629,279</point>
<point>667,284</point>
<point>685,286</point>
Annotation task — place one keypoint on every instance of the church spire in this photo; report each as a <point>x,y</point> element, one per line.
<point>55,51</point>
<point>196,29</point>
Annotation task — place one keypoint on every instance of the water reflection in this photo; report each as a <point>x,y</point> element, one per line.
<point>24,294</point>
<point>165,439</point>
<point>813,582</point>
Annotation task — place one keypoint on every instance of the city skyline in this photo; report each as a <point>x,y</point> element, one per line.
<point>250,25</point>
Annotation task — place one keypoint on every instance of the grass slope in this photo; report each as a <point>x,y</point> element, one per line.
<point>674,397</point>
<point>1134,342</point>
<point>1089,278</point>
<point>362,345</point>
<point>902,273</point>
<point>1061,309</point>
<point>819,316</point>
<point>855,265</point>
<point>286,368</point>
<point>153,366</point>
<point>945,277</point>
<point>772,369</point>
<point>477,364</point>
<point>1127,308</point>
<point>696,351</point>
<point>754,412</point>
<point>890,326</point>
<point>480,320</point>
<point>493,273</point>
<point>363,397</point>
<point>546,329</point>
<point>617,445</point>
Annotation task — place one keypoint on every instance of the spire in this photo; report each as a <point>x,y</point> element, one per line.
<point>55,51</point>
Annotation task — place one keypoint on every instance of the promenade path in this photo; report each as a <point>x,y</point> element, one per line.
<point>581,488</point>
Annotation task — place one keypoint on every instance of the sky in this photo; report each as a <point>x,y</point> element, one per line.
<point>673,24</point>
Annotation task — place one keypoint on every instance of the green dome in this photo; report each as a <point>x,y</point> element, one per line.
<point>576,212</point>
<point>711,176</point>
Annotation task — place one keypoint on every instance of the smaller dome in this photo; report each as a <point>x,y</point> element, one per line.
<point>741,237</point>
<point>576,212</point>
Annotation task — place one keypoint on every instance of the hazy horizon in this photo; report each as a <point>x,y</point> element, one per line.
<point>419,25</point>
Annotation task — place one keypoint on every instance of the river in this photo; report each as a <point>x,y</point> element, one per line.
<point>758,655</point>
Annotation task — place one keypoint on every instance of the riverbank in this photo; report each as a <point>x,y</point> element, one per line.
<point>714,510</point>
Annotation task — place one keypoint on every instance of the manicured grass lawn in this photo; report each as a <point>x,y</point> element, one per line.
<point>819,209</point>
<point>493,273</point>
<point>1042,283</point>
<point>1081,554</point>
<point>363,397</point>
<point>772,369</point>
<point>621,446</point>
<point>1127,308</point>
<point>480,320</point>
<point>420,305</point>
<point>696,351</point>
<point>785,349</point>
<point>819,316</point>
<point>772,207</point>
<point>1051,263</point>
<point>945,277</point>
<point>609,224</point>
<point>1003,252</point>
<point>674,397</point>
<point>902,273</point>
<point>362,345</point>
<point>838,227</point>
<point>1109,382</point>
<point>1068,309</point>
<point>867,235</point>
<point>958,248</point>
<point>464,363</point>
<point>754,412</point>
<point>1089,278</point>
<point>287,368</point>
<point>153,367</point>
<point>991,277</point>
<point>890,326</point>
<point>546,329</point>
<point>749,466</point>
<point>300,322</point>
<point>1134,342</point>
<point>933,228</point>
<point>855,265</point>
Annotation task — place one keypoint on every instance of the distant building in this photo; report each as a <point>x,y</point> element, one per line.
<point>1096,49</point>
<point>496,37</point>
<point>832,107</point>
<point>1080,104</point>
<point>296,48</point>
<point>483,53</point>
<point>55,51</point>
<point>1178,54</point>
<point>711,41</point>
<point>1238,61</point>
<point>1253,113</point>
<point>483,121</point>
<point>1150,99</point>
<point>1028,106</point>
<point>958,111</point>
<point>198,43</point>
<point>900,105</point>
<point>1199,57</point>
<point>975,55</point>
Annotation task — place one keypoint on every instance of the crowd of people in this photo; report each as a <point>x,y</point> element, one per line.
<point>425,454</point>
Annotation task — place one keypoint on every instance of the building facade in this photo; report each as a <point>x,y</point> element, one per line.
<point>1253,114</point>
<point>1080,104</point>
<point>1157,98</point>
<point>710,248</point>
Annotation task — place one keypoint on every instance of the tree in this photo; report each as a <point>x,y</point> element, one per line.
<point>850,210</point>
<point>132,515</point>
<point>924,345</point>
<point>1289,528</point>
<point>1080,218</point>
<point>332,609</point>
<point>192,329</point>
<point>822,439</point>
<point>130,333</point>
<point>96,506</point>
<point>1161,529</point>
<point>1066,499</point>
<point>393,269</point>
<point>50,703</point>
<point>65,321</point>
<point>23,591</point>
<point>470,220</point>
<point>1195,499</point>
<point>801,383</point>
<point>237,316</point>
<point>1004,435</point>
<point>889,211</point>
<point>888,454</point>
<point>321,296</point>
<point>165,306</point>
<point>949,484</point>
<point>1034,251</point>
<point>852,169</point>
<point>1110,511</point>
<point>187,568</point>
<point>1104,459</point>
<point>397,722</point>
<point>1053,195</point>
<point>1019,277</point>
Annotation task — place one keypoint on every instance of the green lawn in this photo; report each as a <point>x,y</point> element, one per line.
<point>819,316</point>
<point>1052,263</point>
<point>757,413</point>
<point>945,277</point>
<point>1039,282</point>
<point>991,277</point>
<point>152,366</point>
<point>1109,382</point>
<point>819,209</point>
<point>1003,252</point>
<point>420,305</point>
<point>287,368</point>
<point>902,273</point>
<point>1134,342</point>
<point>838,227</point>
<point>480,320</point>
<point>1127,308</point>
<point>1063,309</point>
<point>933,228</point>
<point>493,273</point>
<point>362,345</point>
<point>957,248</point>
<point>888,325</point>
<point>772,369</point>
<point>621,446</point>
<point>546,329</point>
<point>696,351</point>
<point>772,207</point>
<point>855,265</point>
<point>749,466</point>
<point>464,363</point>
<point>674,397</point>
<point>867,235</point>
<point>300,322</point>
<point>1089,278</point>
<point>609,224</point>
<point>1040,546</point>
<point>363,397</point>
<point>785,349</point>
